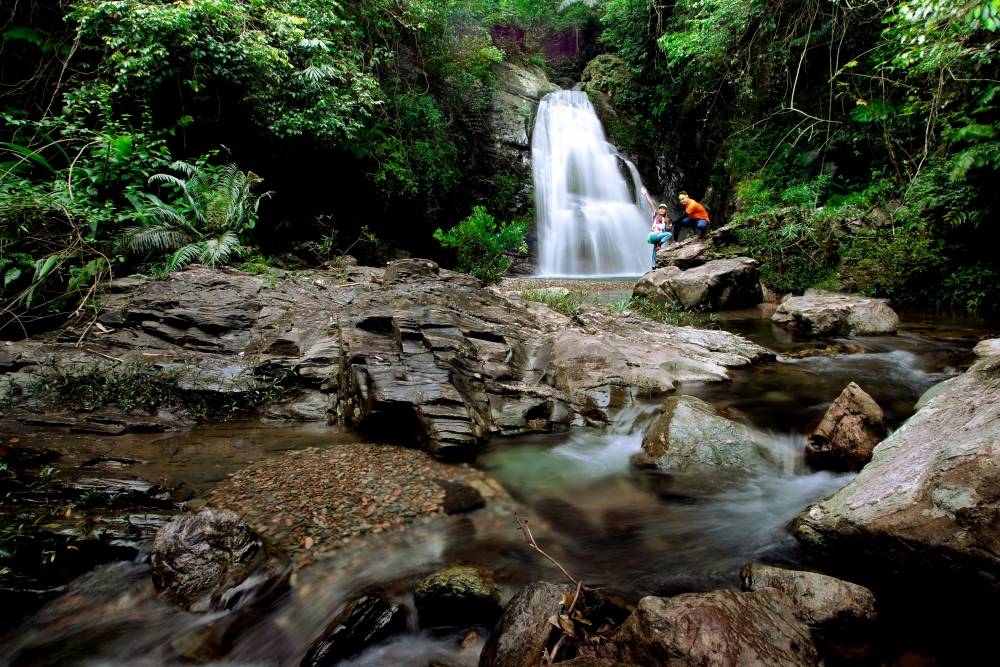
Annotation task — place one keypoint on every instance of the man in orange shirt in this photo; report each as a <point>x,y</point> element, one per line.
<point>696,217</point>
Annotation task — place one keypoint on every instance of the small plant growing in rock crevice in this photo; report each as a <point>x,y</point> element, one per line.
<point>142,388</point>
<point>567,303</point>
<point>135,387</point>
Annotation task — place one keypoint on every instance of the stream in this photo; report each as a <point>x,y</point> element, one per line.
<point>615,528</point>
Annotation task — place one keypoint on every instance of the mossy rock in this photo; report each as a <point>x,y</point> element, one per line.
<point>459,595</point>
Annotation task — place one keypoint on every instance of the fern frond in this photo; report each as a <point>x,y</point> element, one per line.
<point>217,251</point>
<point>161,237</point>
<point>184,256</point>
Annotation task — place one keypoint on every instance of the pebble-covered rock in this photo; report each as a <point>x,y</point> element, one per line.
<point>314,501</point>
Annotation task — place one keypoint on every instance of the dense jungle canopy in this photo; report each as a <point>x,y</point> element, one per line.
<point>854,144</point>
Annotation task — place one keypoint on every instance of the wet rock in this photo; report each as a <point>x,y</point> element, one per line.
<point>8,361</point>
<point>198,308</point>
<point>365,622</point>
<point>836,315</point>
<point>211,560</point>
<point>826,350</point>
<point>524,632</point>
<point>686,254</point>
<point>426,354</point>
<point>927,500</point>
<point>987,348</point>
<point>520,87</point>
<point>821,600</point>
<point>848,433</point>
<point>691,435</point>
<point>459,595</point>
<point>460,497</point>
<point>716,285</point>
<point>593,662</point>
<point>721,628</point>
<point>928,395</point>
<point>411,270</point>
<point>309,405</point>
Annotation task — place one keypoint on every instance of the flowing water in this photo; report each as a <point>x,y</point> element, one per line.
<point>589,224</point>
<point>608,524</point>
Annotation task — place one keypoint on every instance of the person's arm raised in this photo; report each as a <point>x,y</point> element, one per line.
<point>652,206</point>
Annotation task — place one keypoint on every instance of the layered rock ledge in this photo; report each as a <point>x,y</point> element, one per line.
<point>412,352</point>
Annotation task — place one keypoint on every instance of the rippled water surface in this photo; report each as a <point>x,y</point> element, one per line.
<point>608,524</point>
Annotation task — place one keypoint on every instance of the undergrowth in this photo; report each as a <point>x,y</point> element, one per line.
<point>140,387</point>
<point>671,313</point>
<point>567,303</point>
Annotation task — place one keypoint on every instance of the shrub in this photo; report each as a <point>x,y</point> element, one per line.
<point>481,246</point>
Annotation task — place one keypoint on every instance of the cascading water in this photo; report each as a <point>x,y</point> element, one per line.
<point>588,223</point>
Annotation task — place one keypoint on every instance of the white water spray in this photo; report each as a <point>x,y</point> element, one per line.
<point>588,223</point>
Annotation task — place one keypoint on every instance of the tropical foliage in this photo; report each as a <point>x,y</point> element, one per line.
<point>481,246</point>
<point>855,144</point>
<point>212,210</point>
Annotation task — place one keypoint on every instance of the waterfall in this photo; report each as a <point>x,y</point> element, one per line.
<point>588,222</point>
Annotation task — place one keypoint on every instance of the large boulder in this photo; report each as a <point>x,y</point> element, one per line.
<point>211,560</point>
<point>687,254</point>
<point>717,285</point>
<point>836,315</point>
<point>927,500</point>
<point>459,595</point>
<point>848,433</point>
<point>691,435</point>
<point>363,623</point>
<point>721,628</point>
<point>821,600</point>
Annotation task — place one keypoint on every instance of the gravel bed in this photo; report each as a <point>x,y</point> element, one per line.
<point>315,501</point>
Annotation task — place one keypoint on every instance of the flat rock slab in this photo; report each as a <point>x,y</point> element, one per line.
<point>928,498</point>
<point>821,600</point>
<point>313,502</point>
<point>836,315</point>
<point>720,284</point>
<point>718,629</point>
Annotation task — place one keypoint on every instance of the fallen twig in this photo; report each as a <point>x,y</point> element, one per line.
<point>523,527</point>
<point>101,354</point>
<point>84,334</point>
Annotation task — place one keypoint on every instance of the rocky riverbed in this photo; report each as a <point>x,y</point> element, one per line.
<point>373,526</point>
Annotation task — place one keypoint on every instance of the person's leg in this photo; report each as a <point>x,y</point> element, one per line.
<point>702,227</point>
<point>681,222</point>
<point>656,240</point>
